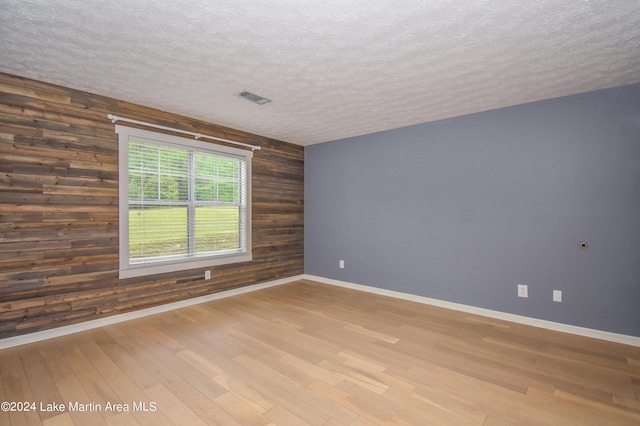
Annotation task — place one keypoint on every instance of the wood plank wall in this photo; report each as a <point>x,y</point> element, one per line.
<point>59,210</point>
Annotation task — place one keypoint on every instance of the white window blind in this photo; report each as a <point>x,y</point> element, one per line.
<point>186,203</point>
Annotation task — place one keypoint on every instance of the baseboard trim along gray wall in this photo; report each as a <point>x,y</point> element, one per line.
<point>549,325</point>
<point>102,322</point>
<point>465,209</point>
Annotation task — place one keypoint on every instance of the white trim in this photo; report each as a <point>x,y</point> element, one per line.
<point>549,325</point>
<point>170,140</point>
<point>37,336</point>
<point>181,264</point>
<point>127,270</point>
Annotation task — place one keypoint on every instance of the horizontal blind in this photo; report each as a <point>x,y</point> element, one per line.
<point>218,203</point>
<point>184,203</point>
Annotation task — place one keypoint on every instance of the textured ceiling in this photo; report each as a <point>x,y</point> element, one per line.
<point>333,68</point>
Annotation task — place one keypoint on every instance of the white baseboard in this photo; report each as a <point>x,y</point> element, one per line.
<point>88,325</point>
<point>550,325</point>
<point>101,322</point>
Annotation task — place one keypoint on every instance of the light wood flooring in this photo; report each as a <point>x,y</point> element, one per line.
<point>310,353</point>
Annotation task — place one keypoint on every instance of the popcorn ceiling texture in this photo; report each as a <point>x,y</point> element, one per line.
<point>333,68</point>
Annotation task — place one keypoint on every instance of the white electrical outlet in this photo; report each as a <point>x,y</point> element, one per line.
<point>207,275</point>
<point>523,290</point>
<point>557,295</point>
<point>341,264</point>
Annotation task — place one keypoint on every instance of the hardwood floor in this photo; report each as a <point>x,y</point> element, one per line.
<point>309,353</point>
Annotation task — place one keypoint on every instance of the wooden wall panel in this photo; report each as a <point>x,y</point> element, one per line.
<point>59,210</point>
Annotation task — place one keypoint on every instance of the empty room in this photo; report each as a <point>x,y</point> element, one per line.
<point>319,213</point>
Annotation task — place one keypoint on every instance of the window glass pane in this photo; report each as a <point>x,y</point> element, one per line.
<point>205,165</point>
<point>217,228</point>
<point>135,185</point>
<point>229,192</point>
<point>217,179</point>
<point>228,168</point>
<point>142,158</point>
<point>205,189</point>
<point>149,186</point>
<point>157,231</point>
<point>173,162</point>
<point>158,173</point>
<point>173,188</point>
<point>143,175</point>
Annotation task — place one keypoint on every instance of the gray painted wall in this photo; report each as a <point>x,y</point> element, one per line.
<point>464,209</point>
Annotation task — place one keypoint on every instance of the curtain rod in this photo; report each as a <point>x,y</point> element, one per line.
<point>115,118</point>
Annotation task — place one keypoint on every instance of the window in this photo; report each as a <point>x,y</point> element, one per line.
<point>183,203</point>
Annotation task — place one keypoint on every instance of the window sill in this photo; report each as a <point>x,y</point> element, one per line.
<point>181,265</point>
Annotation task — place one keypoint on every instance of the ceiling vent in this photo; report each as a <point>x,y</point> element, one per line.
<point>254,98</point>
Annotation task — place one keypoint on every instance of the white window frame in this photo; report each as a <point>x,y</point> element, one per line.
<point>127,270</point>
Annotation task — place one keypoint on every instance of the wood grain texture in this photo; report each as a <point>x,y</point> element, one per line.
<point>306,353</point>
<point>59,210</point>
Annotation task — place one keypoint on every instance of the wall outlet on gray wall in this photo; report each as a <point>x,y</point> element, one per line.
<point>557,295</point>
<point>523,290</point>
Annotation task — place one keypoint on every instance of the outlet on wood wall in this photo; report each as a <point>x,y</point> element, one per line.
<point>59,210</point>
